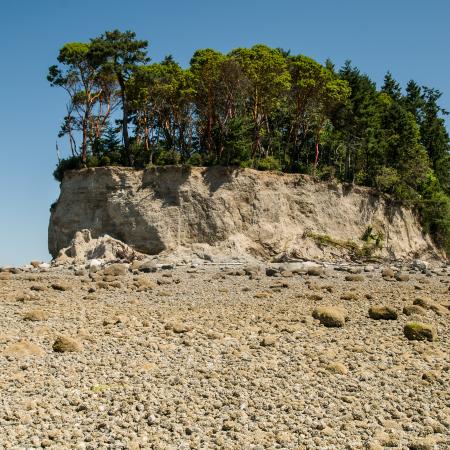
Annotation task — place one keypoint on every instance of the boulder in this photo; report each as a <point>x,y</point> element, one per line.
<point>116,270</point>
<point>23,349</point>
<point>354,277</point>
<point>387,272</point>
<point>418,331</point>
<point>382,313</point>
<point>65,344</point>
<point>35,315</point>
<point>84,248</point>
<point>330,316</point>
<point>410,310</point>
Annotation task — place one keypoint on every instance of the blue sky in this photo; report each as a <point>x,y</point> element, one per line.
<point>411,38</point>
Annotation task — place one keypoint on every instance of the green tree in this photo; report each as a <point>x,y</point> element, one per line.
<point>269,83</point>
<point>121,52</point>
<point>77,74</point>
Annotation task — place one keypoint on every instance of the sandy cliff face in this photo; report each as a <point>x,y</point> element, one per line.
<point>242,210</point>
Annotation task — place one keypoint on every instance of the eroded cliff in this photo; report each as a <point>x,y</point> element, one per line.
<point>264,214</point>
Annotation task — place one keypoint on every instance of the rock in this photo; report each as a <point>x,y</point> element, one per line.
<point>428,443</point>
<point>268,341</point>
<point>409,310</point>
<point>430,376</point>
<point>337,367</point>
<point>252,270</point>
<point>36,264</point>
<point>417,331</point>
<point>116,270</point>
<point>38,287</point>
<point>65,344</point>
<point>330,316</point>
<point>431,305</point>
<point>387,272</point>
<point>23,349</point>
<point>144,284</point>
<point>178,327</point>
<point>5,275</point>
<point>419,265</point>
<point>315,271</point>
<point>61,287</point>
<point>382,313</point>
<point>148,267</point>
<point>272,272</point>
<point>402,276</point>
<point>35,315</point>
<point>354,277</point>
<point>94,263</point>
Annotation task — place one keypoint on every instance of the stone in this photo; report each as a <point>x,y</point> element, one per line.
<point>148,267</point>
<point>269,341</point>
<point>418,331</point>
<point>23,349</point>
<point>61,287</point>
<point>272,271</point>
<point>35,315</point>
<point>430,376</point>
<point>427,443</point>
<point>419,265</point>
<point>402,276</point>
<point>330,316</point>
<point>82,248</point>
<point>354,277</point>
<point>144,284</point>
<point>337,367</point>
<point>38,287</point>
<point>410,310</point>
<point>36,263</point>
<point>116,270</point>
<point>178,327</point>
<point>431,305</point>
<point>65,344</point>
<point>380,312</point>
<point>387,272</point>
<point>315,271</point>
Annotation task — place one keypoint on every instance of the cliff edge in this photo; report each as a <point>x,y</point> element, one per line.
<point>233,211</point>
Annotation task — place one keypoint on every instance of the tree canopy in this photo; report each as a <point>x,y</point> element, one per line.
<point>257,107</point>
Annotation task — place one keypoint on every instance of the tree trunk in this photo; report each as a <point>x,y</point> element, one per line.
<point>126,139</point>
<point>84,144</point>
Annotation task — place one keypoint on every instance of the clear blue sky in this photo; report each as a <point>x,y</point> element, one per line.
<point>411,38</point>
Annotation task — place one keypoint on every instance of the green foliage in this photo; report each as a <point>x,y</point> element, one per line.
<point>257,107</point>
<point>268,163</point>
<point>72,163</point>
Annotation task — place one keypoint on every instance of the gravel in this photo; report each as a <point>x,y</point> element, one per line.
<point>214,358</point>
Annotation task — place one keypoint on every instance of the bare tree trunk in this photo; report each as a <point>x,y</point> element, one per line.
<point>126,139</point>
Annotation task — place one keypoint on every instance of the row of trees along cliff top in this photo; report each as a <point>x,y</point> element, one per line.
<point>255,107</point>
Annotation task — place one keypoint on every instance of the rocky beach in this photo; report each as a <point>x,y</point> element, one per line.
<point>295,355</point>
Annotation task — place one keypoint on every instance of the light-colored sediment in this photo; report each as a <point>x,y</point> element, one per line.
<point>222,211</point>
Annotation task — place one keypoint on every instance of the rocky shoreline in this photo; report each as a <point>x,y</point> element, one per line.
<point>294,355</point>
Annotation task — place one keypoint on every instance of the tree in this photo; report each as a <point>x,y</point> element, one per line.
<point>77,74</point>
<point>206,67</point>
<point>269,83</point>
<point>434,136</point>
<point>121,53</point>
<point>315,91</point>
<point>391,87</point>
